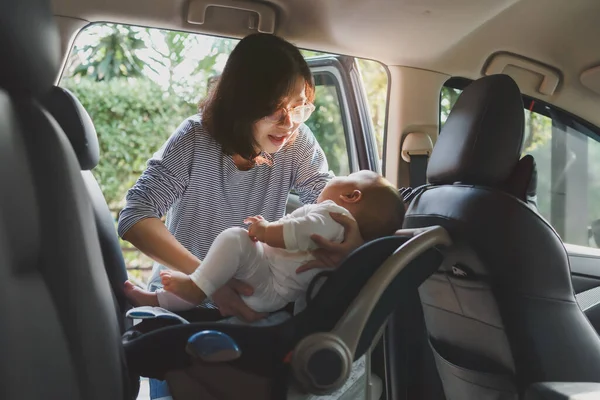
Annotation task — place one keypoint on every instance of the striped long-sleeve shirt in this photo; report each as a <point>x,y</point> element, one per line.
<point>203,192</point>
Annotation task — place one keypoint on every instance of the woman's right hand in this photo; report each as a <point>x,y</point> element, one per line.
<point>228,299</point>
<point>331,254</point>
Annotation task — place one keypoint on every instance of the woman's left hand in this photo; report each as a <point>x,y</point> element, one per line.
<point>228,299</point>
<point>331,254</point>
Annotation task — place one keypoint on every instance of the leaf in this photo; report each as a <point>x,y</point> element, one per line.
<point>132,122</point>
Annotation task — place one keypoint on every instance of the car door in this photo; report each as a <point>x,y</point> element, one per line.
<point>341,122</point>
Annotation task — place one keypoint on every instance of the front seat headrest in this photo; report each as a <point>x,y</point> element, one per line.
<point>482,138</point>
<point>29,47</point>
<point>76,123</point>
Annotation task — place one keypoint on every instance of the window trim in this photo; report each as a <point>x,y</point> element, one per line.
<point>350,105</point>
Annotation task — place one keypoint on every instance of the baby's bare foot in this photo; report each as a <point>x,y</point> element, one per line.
<point>181,285</point>
<point>138,296</point>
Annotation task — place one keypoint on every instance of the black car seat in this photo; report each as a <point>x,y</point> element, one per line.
<point>79,128</point>
<point>59,337</point>
<point>501,312</point>
<point>315,347</point>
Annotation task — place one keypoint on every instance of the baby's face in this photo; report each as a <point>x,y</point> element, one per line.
<point>342,186</point>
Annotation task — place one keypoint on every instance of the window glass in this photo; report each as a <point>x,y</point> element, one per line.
<point>567,156</point>
<point>327,125</point>
<point>375,82</point>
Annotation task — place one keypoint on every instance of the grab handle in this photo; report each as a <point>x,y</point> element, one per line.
<point>266,14</point>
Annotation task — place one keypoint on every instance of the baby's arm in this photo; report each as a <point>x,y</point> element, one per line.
<point>297,232</point>
<point>294,233</point>
<point>263,231</point>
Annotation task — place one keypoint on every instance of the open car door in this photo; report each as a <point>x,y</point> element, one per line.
<point>341,122</point>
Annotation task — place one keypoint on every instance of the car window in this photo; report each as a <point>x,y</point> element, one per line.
<point>138,84</point>
<point>327,125</point>
<point>567,155</point>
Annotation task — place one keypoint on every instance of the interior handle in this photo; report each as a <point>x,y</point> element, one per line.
<point>550,76</point>
<point>266,14</point>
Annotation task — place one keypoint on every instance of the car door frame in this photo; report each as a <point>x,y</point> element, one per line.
<point>355,114</point>
<point>358,125</point>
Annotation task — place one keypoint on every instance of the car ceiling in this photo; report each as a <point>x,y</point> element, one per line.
<point>454,37</point>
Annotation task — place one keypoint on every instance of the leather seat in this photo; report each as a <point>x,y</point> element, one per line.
<point>79,129</point>
<point>501,312</point>
<point>59,336</point>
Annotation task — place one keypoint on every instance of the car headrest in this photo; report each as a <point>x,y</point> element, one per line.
<point>29,47</point>
<point>76,123</point>
<point>482,138</point>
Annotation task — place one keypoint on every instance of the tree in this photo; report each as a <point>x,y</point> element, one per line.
<point>174,54</point>
<point>326,124</point>
<point>375,82</point>
<point>176,44</point>
<point>114,56</point>
<point>206,67</point>
<point>447,100</point>
<point>133,119</point>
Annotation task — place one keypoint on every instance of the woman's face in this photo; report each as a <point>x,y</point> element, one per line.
<point>272,132</point>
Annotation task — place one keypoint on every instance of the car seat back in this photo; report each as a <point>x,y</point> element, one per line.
<point>501,312</point>
<point>59,336</point>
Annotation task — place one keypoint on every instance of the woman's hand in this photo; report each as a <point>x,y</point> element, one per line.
<point>230,303</point>
<point>331,254</point>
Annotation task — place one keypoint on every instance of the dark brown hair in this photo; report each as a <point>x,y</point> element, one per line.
<point>261,71</point>
<point>382,212</point>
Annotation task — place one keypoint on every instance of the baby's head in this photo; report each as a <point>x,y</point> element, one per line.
<point>373,201</point>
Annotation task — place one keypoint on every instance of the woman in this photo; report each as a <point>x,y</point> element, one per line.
<point>240,156</point>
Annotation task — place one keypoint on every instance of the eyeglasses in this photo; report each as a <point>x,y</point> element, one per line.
<point>297,114</point>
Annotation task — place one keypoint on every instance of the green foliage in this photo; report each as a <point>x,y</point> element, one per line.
<point>133,119</point>
<point>180,48</point>
<point>114,56</point>
<point>326,124</point>
<point>219,48</point>
<point>116,72</point>
<point>176,43</point>
<point>375,82</point>
<point>447,100</point>
<point>538,143</point>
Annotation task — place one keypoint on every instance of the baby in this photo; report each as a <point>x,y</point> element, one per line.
<point>267,255</point>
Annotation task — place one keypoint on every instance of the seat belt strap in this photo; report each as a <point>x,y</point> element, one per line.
<point>418,170</point>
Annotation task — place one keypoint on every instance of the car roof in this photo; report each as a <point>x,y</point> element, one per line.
<point>455,38</point>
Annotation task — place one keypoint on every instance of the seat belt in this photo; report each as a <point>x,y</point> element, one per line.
<point>417,178</point>
<point>418,170</point>
<point>416,149</point>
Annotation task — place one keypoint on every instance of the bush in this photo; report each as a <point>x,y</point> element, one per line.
<point>133,119</point>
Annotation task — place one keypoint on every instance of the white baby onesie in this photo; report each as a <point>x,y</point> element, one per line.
<point>270,271</point>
